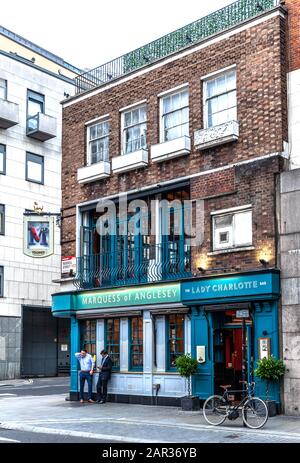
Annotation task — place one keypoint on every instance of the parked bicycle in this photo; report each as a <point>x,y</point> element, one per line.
<point>254,410</point>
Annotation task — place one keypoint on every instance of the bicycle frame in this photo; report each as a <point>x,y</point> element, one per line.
<point>248,393</point>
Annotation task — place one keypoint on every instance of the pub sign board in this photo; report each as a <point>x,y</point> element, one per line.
<point>38,236</point>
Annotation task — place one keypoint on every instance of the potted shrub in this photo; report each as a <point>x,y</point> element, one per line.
<point>270,370</point>
<point>187,367</point>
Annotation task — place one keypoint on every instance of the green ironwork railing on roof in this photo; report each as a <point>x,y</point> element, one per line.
<point>218,21</point>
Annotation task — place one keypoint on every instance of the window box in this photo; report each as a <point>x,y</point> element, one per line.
<point>131,161</point>
<point>218,135</point>
<point>171,149</point>
<point>93,172</point>
<point>41,127</point>
<point>9,114</point>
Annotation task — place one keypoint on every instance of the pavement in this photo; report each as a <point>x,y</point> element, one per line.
<point>37,407</point>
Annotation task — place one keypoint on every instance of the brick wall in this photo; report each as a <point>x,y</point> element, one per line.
<point>244,185</point>
<point>293,7</point>
<point>258,53</point>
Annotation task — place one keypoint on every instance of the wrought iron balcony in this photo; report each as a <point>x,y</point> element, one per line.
<point>154,263</point>
<point>214,23</point>
<point>41,127</point>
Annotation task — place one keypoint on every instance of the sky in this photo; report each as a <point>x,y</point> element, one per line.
<point>88,33</point>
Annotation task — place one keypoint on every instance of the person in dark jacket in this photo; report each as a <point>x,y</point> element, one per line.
<point>104,376</point>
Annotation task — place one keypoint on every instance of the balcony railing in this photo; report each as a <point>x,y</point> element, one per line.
<point>152,264</point>
<point>41,127</point>
<point>214,23</point>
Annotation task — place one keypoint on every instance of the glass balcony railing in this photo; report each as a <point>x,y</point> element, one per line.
<point>214,23</point>
<point>151,264</point>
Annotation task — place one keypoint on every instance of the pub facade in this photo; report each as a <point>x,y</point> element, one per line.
<point>170,159</point>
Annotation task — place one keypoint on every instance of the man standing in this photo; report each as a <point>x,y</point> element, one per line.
<point>104,376</point>
<point>86,373</point>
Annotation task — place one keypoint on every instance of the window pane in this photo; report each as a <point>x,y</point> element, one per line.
<point>212,106</point>
<point>221,99</point>
<point>231,80</point>
<point>34,107</point>
<point>231,101</point>
<point>222,102</point>
<point>185,98</point>
<point>34,171</point>
<point>93,132</point>
<point>143,114</point>
<point>176,338</point>
<point>175,102</point>
<point>2,219</point>
<point>173,133</point>
<point>127,119</point>
<point>223,221</point>
<point>3,93</point>
<point>135,116</point>
<point>211,88</point>
<point>113,340</point>
<point>99,144</point>
<point>1,281</point>
<point>88,338</point>
<point>184,115</point>
<point>135,130</point>
<point>2,158</point>
<point>243,228</point>
<point>166,105</point>
<point>136,343</point>
<point>221,84</point>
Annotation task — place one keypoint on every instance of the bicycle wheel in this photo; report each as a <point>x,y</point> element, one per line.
<point>255,413</point>
<point>215,410</point>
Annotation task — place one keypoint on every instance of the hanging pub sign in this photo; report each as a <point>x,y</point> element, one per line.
<point>38,235</point>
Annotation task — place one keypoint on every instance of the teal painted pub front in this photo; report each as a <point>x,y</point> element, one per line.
<point>216,328</point>
<point>211,308</point>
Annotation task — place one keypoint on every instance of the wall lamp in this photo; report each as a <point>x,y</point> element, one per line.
<point>201,269</point>
<point>264,262</point>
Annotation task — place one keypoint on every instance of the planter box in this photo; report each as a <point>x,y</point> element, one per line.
<point>190,404</point>
<point>271,405</point>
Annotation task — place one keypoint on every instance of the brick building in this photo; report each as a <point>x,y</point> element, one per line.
<point>288,200</point>
<point>198,117</point>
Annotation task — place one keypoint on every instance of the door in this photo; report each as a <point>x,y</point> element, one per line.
<point>39,346</point>
<point>228,357</point>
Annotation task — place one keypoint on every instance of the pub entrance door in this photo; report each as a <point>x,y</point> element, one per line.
<point>228,351</point>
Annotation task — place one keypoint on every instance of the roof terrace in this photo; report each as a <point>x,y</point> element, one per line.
<point>194,33</point>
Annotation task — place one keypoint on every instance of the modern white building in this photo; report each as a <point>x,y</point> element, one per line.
<point>33,81</point>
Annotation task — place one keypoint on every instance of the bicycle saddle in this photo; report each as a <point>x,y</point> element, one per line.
<point>226,386</point>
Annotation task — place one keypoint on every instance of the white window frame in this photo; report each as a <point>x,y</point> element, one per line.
<point>205,81</point>
<point>167,94</point>
<point>128,109</point>
<point>98,121</point>
<point>217,246</point>
<point>3,84</point>
<point>1,281</point>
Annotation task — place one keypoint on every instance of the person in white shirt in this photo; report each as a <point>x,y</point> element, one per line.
<point>87,365</point>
